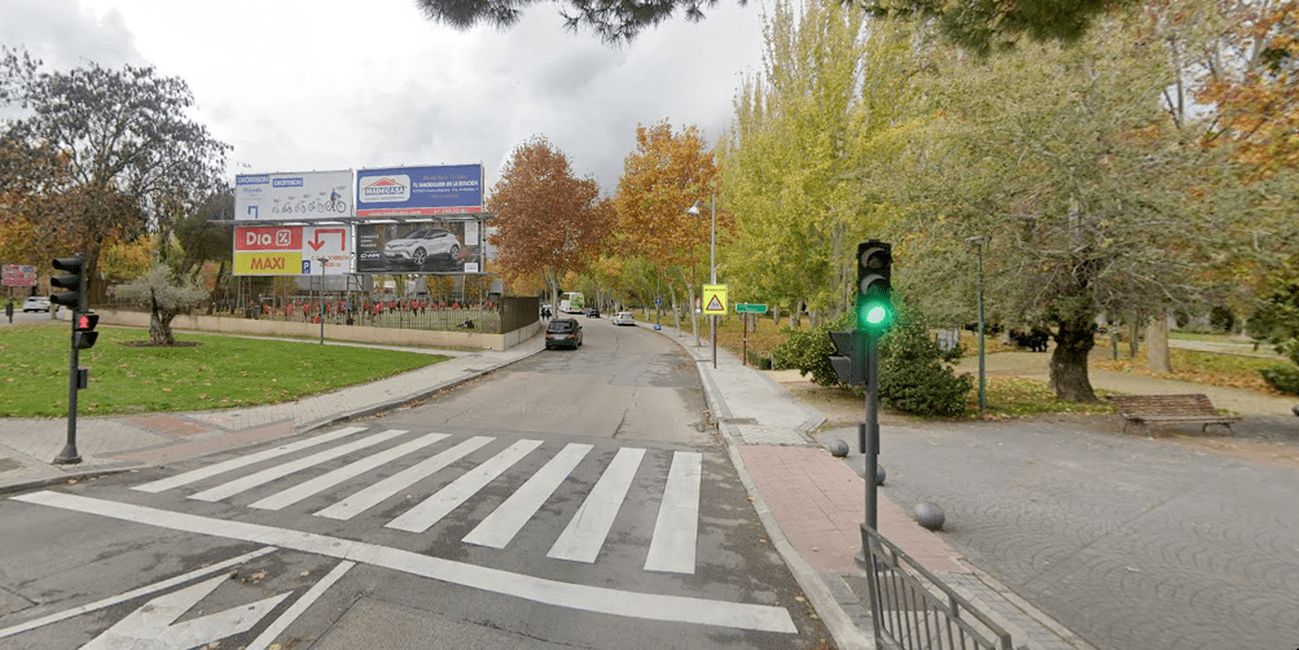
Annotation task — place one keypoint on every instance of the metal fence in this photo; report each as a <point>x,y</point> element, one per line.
<point>912,609</point>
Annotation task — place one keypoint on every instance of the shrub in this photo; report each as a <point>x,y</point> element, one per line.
<point>1282,377</point>
<point>915,375</point>
<point>806,350</point>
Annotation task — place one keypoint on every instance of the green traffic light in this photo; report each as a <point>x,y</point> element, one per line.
<point>876,315</point>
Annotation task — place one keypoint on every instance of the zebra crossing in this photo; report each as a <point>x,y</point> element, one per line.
<point>281,478</point>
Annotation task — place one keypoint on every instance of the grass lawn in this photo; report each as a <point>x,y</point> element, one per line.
<point>218,372</point>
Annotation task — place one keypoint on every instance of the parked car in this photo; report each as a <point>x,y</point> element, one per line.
<point>36,303</point>
<point>418,246</point>
<point>623,318</point>
<point>563,332</point>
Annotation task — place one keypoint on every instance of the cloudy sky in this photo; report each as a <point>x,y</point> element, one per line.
<point>298,85</point>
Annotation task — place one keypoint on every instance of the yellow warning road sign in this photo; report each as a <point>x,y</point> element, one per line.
<point>715,299</point>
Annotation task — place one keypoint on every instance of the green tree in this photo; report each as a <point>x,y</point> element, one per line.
<point>829,93</point>
<point>97,155</point>
<point>1071,165</point>
<point>167,295</point>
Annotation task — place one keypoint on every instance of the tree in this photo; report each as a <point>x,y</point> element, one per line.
<point>665,174</point>
<point>791,160</point>
<point>547,220</point>
<point>1089,193</point>
<point>167,296</point>
<point>99,155</point>
<point>983,25</point>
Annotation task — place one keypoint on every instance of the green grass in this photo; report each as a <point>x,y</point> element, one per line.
<point>219,372</point>
<point>1018,397</point>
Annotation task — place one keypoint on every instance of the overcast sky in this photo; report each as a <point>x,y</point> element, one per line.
<point>299,85</point>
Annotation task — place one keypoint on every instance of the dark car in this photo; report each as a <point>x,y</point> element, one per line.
<point>593,312</point>
<point>563,332</point>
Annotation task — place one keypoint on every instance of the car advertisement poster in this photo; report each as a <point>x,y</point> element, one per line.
<point>436,247</point>
<point>292,250</point>
<point>293,196</point>
<point>419,191</point>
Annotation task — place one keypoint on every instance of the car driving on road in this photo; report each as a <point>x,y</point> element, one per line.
<point>563,332</point>
<point>623,318</point>
<point>419,246</point>
<point>36,303</point>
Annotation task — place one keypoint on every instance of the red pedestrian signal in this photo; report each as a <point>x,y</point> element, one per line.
<point>83,324</point>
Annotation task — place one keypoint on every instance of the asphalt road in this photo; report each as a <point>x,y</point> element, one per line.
<point>572,500</point>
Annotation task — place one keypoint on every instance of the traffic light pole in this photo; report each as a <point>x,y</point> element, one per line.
<point>868,438</point>
<point>69,455</point>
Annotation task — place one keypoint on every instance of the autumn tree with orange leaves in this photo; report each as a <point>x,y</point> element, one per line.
<point>548,221</point>
<point>663,177</point>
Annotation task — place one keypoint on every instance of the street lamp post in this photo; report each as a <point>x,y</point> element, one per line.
<point>712,263</point>
<point>983,379</point>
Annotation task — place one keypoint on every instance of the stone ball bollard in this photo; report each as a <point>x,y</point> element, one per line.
<point>1295,409</point>
<point>839,449</point>
<point>929,515</point>
<point>879,475</point>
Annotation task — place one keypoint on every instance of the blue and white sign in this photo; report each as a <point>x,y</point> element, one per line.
<point>293,196</point>
<point>419,191</point>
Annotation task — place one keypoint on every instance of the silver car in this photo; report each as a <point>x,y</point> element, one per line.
<point>418,246</point>
<point>36,303</point>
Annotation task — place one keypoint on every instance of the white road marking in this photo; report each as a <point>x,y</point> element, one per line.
<point>680,609</point>
<point>582,539</point>
<point>441,503</point>
<point>132,594</point>
<point>371,496</point>
<point>497,529</point>
<point>264,640</point>
<point>303,490</point>
<point>153,626</point>
<point>676,530</point>
<point>231,488</point>
<point>243,461</point>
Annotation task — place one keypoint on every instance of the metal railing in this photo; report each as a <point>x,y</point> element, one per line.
<point>912,609</point>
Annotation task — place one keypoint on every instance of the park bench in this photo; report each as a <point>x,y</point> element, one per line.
<point>1147,410</point>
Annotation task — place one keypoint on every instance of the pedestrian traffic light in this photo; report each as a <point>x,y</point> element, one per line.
<point>75,282</point>
<point>874,286</point>
<point>849,359</point>
<point>83,324</point>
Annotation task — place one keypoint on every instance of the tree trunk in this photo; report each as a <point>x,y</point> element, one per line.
<point>1074,341</point>
<point>1157,359</point>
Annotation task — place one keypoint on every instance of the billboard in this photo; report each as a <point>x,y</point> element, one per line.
<point>419,191</point>
<point>292,250</point>
<point>296,196</point>
<point>440,246</point>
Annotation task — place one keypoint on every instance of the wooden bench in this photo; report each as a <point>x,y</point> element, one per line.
<point>1170,409</point>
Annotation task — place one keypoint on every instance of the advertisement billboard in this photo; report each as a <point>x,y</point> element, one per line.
<point>293,196</point>
<point>441,246</point>
<point>292,250</point>
<point>419,191</point>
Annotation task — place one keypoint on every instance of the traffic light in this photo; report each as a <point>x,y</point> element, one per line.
<point>874,286</point>
<point>76,282</point>
<point>83,324</point>
<point>849,360</point>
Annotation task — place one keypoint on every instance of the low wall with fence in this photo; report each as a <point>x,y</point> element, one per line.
<point>226,324</point>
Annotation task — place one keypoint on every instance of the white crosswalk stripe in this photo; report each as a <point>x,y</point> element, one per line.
<point>371,496</point>
<point>672,545</point>
<point>498,528</point>
<point>231,488</point>
<point>582,540</point>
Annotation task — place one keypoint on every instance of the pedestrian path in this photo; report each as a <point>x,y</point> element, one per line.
<point>429,475</point>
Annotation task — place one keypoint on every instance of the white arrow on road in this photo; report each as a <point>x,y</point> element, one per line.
<point>153,626</point>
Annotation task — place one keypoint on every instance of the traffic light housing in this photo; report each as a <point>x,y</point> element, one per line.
<point>83,325</point>
<point>75,282</point>
<point>874,308</point>
<point>849,360</point>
